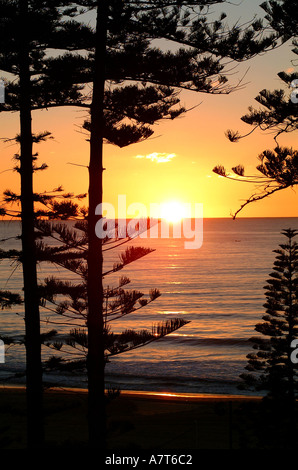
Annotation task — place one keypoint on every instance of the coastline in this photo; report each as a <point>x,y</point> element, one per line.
<point>150,394</point>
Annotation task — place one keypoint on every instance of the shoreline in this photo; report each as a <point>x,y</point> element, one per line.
<point>137,420</point>
<point>150,394</point>
<point>146,421</point>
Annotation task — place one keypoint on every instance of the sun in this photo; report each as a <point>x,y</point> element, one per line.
<point>172,211</point>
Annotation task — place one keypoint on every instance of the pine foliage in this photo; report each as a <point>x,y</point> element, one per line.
<point>68,299</point>
<point>278,168</point>
<point>276,115</point>
<point>271,367</point>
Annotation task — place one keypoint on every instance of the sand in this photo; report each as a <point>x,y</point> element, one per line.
<point>136,420</point>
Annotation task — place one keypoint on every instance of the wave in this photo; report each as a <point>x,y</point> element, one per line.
<point>181,384</point>
<point>194,341</point>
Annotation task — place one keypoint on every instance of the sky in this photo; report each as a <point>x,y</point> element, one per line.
<point>176,163</point>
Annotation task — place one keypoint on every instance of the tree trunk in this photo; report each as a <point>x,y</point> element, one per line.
<point>31,301</point>
<point>95,323</point>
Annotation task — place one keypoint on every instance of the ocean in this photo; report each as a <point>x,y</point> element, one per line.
<point>218,288</point>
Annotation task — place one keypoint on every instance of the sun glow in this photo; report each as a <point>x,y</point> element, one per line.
<point>173,211</point>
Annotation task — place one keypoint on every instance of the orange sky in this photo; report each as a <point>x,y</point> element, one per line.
<point>197,139</point>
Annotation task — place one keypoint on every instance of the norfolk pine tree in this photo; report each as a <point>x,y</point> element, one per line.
<point>180,70</point>
<point>27,28</point>
<point>272,368</point>
<point>278,168</point>
<point>31,301</point>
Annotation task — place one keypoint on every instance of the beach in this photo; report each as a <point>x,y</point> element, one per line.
<point>136,420</point>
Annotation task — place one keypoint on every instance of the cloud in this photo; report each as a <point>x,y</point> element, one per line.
<point>158,157</point>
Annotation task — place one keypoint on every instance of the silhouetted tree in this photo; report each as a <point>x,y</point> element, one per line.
<point>69,299</point>
<point>71,254</point>
<point>278,169</point>
<point>8,299</point>
<point>272,368</point>
<point>124,51</point>
<point>27,29</point>
<point>278,115</point>
<point>280,15</point>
